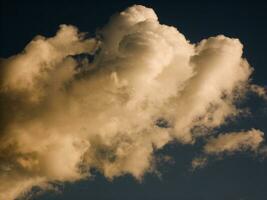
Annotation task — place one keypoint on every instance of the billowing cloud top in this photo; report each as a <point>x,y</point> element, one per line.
<point>63,114</point>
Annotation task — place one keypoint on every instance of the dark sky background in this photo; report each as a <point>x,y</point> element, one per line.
<point>237,177</point>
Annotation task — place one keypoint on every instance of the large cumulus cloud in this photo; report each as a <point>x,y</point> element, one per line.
<point>64,112</point>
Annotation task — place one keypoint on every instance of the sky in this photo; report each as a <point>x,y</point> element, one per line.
<point>230,171</point>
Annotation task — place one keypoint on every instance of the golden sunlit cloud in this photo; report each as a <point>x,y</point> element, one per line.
<point>63,114</point>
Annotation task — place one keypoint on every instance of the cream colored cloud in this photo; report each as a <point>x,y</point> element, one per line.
<point>236,141</point>
<point>199,162</point>
<point>259,90</point>
<point>146,86</point>
<point>230,143</point>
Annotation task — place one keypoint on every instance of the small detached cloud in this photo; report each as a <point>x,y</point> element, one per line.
<point>233,142</point>
<point>259,90</point>
<point>199,162</point>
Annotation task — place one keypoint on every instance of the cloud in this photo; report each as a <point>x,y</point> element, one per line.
<point>231,143</point>
<point>199,162</point>
<point>236,141</point>
<point>259,90</point>
<point>64,113</point>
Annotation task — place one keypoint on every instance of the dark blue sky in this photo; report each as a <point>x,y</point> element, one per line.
<point>238,177</point>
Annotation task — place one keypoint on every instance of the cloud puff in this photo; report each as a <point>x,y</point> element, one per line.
<point>259,90</point>
<point>236,141</point>
<point>230,143</point>
<point>199,162</point>
<point>64,113</point>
